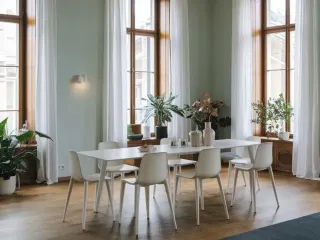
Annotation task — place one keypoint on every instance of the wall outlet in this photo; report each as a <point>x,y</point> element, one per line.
<point>61,167</point>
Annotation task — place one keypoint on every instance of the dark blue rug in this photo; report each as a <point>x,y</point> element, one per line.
<point>304,228</point>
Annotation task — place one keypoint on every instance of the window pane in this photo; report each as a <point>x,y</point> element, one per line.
<point>276,83</point>
<point>144,85</point>
<point>9,43</point>
<point>292,48</point>
<point>276,12</point>
<point>293,11</point>
<point>144,54</point>
<point>128,13</point>
<point>144,14</point>
<point>276,51</point>
<point>12,124</point>
<point>9,88</point>
<point>10,7</point>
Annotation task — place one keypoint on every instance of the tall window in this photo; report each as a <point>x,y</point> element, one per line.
<point>11,62</point>
<point>278,54</point>
<point>142,46</point>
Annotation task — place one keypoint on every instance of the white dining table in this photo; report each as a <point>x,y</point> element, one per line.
<point>133,153</point>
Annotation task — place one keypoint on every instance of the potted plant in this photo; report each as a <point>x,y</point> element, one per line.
<point>273,116</point>
<point>204,110</point>
<point>12,155</point>
<point>161,108</point>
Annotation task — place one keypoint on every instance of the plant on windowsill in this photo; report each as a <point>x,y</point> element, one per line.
<point>273,116</point>
<point>13,154</point>
<point>161,108</point>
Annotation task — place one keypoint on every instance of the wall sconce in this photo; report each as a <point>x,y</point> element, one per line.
<point>79,78</point>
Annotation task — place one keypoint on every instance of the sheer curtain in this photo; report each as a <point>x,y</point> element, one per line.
<point>241,76</point>
<point>115,73</point>
<point>306,163</point>
<point>180,66</point>
<point>46,89</point>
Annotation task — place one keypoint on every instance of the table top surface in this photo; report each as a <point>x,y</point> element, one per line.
<point>134,153</point>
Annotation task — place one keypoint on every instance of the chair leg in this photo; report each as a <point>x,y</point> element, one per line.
<point>251,188</point>
<point>244,178</point>
<point>147,190</point>
<point>253,191</point>
<point>170,204</point>
<point>137,198</point>
<point>68,198</point>
<point>229,173</point>
<point>122,176</point>
<point>154,190</point>
<point>112,184</point>
<point>84,210</point>
<point>95,197</point>
<point>197,200</point>
<point>273,184</point>
<point>123,187</point>
<point>234,186</point>
<point>136,174</point>
<point>175,185</point>
<point>175,189</point>
<point>179,192</point>
<point>257,179</point>
<point>223,197</point>
<point>201,194</point>
<point>110,194</point>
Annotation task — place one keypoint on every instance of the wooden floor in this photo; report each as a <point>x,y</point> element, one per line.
<point>35,212</point>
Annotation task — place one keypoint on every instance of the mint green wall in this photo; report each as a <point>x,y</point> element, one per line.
<point>220,55</point>
<point>80,48</point>
<point>200,45</point>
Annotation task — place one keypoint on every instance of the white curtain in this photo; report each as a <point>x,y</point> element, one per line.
<point>241,76</point>
<point>46,89</point>
<point>306,163</point>
<point>115,73</point>
<point>180,66</point>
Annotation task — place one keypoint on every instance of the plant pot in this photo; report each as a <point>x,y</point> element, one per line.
<point>8,187</point>
<point>161,132</point>
<point>284,136</point>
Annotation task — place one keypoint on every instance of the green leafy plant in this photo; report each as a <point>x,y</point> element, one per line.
<point>203,110</point>
<point>13,153</point>
<point>272,116</point>
<point>161,108</point>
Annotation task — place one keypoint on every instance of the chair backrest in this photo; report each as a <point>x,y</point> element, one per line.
<point>251,148</point>
<point>264,156</point>
<point>75,167</point>
<point>209,163</point>
<point>166,141</point>
<point>109,145</point>
<point>153,169</point>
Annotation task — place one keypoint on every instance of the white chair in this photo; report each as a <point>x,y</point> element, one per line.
<point>176,163</point>
<point>262,161</point>
<point>244,159</point>
<point>153,170</point>
<point>209,166</point>
<point>115,167</point>
<point>76,175</point>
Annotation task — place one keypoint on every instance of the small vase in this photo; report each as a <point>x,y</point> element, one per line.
<point>208,134</point>
<point>195,138</point>
<point>146,132</point>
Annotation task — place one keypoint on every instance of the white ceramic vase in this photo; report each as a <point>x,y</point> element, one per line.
<point>146,131</point>
<point>195,138</point>
<point>208,134</point>
<point>8,187</point>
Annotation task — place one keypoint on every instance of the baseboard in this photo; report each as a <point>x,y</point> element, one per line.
<point>64,179</point>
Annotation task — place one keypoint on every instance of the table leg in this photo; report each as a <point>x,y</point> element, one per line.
<point>100,184</point>
<point>175,172</point>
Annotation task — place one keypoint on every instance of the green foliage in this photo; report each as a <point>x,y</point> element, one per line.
<point>12,153</point>
<point>161,108</point>
<point>272,116</point>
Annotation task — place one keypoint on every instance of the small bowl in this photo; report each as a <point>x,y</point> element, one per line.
<point>141,149</point>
